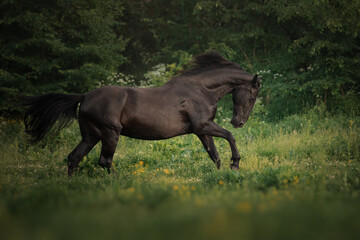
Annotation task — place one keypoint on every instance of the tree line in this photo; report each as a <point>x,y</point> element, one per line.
<point>306,51</point>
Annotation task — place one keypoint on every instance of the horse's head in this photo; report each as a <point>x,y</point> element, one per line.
<point>244,97</point>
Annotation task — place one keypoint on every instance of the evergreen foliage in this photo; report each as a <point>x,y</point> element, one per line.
<point>57,46</point>
<point>307,51</point>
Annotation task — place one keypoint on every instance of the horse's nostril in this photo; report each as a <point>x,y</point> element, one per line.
<point>236,124</point>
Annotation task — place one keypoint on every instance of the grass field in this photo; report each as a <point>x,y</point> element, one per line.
<point>299,178</point>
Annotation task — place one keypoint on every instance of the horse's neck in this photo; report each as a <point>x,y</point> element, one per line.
<point>222,82</point>
<point>219,85</point>
<point>221,90</point>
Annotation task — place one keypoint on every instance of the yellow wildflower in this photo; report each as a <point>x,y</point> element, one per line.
<point>275,192</point>
<point>175,187</point>
<point>166,171</point>
<point>351,122</point>
<point>140,197</point>
<point>296,180</point>
<point>221,182</point>
<point>244,207</point>
<point>199,202</point>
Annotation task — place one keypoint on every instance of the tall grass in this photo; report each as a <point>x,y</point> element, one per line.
<point>299,178</point>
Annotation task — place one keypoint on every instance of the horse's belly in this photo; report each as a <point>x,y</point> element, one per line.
<point>148,131</point>
<point>153,117</point>
<point>148,134</point>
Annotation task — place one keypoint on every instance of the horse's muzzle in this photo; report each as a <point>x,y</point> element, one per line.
<point>236,123</point>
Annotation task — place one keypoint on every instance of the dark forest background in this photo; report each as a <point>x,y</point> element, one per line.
<point>308,52</point>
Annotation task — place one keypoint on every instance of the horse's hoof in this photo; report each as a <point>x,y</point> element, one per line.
<point>218,164</point>
<point>114,171</point>
<point>234,167</point>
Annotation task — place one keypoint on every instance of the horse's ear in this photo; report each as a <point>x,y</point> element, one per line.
<point>256,82</point>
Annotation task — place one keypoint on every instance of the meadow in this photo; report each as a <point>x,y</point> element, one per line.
<point>299,178</point>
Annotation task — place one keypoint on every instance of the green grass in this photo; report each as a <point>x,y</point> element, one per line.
<point>299,179</point>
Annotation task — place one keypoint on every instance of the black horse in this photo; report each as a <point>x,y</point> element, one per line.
<point>185,104</point>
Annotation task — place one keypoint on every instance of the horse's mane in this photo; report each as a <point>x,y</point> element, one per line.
<point>208,61</point>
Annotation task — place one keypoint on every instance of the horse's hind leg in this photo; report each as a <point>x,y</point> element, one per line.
<point>108,149</point>
<point>79,152</point>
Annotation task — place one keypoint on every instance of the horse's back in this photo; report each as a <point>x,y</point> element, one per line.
<point>103,100</point>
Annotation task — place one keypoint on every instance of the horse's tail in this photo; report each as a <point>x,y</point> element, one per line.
<point>42,112</point>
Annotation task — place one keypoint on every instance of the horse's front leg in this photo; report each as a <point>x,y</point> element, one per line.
<point>215,130</point>
<point>210,147</point>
